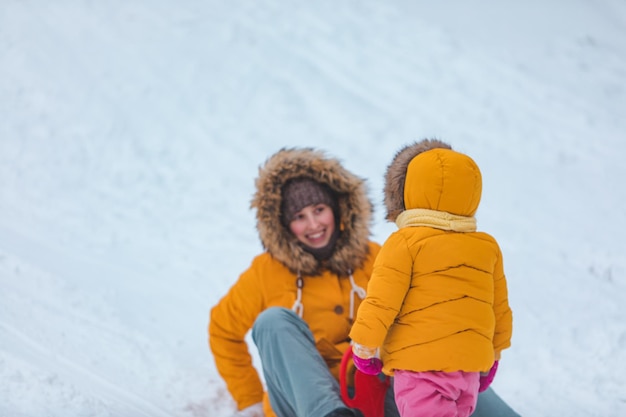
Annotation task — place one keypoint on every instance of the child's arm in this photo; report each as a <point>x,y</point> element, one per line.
<point>502,311</point>
<point>390,281</point>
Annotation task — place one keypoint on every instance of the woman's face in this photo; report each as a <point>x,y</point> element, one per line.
<point>313,225</point>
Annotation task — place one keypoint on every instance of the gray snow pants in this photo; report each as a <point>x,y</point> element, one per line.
<point>298,381</point>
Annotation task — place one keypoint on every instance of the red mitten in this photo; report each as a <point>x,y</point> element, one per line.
<point>487,378</point>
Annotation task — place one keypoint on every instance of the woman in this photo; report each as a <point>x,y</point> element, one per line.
<point>299,296</point>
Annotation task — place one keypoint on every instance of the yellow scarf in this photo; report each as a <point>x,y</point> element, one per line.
<point>437,219</point>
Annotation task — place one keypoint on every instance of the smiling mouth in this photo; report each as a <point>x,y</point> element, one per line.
<point>317,236</point>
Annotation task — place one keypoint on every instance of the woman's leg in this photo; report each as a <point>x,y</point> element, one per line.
<point>490,405</point>
<point>297,378</point>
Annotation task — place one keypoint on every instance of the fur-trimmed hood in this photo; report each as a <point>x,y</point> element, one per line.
<point>440,179</point>
<point>355,211</point>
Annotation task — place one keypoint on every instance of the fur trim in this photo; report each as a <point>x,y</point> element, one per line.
<point>395,176</point>
<point>355,211</point>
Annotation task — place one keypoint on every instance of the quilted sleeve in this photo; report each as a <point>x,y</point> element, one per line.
<point>390,281</point>
<point>230,320</point>
<point>501,309</point>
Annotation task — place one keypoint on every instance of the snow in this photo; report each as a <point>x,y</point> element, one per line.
<point>131,133</point>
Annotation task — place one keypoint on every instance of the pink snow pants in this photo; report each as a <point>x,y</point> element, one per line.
<point>436,394</point>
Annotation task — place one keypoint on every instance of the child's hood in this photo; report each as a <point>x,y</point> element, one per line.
<point>430,175</point>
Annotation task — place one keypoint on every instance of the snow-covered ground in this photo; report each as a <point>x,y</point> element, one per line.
<point>131,133</point>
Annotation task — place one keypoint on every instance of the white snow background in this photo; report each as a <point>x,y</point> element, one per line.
<point>131,133</point>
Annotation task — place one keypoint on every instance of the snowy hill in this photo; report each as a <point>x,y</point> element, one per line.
<point>131,134</point>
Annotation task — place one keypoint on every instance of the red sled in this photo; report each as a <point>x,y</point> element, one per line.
<point>369,390</point>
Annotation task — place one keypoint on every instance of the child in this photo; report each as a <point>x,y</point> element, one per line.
<point>437,308</point>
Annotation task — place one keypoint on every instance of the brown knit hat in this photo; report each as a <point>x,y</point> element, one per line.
<point>301,192</point>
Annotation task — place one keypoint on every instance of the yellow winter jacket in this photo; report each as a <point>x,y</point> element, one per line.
<point>268,283</point>
<point>437,299</point>
<point>271,279</point>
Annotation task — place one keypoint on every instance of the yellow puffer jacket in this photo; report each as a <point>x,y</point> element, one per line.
<point>437,299</point>
<point>268,283</point>
<point>271,279</point>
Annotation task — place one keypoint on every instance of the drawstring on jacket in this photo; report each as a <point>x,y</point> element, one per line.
<point>298,307</point>
<point>355,290</point>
